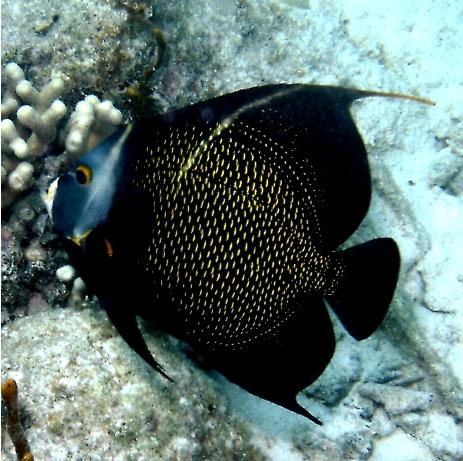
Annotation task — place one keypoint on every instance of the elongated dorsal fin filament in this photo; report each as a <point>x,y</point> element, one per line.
<point>409,97</point>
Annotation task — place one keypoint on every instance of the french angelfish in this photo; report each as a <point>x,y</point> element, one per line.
<point>220,224</point>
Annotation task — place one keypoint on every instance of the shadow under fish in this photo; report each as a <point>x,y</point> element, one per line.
<point>220,222</point>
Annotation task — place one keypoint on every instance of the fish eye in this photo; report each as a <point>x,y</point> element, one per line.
<point>83,174</point>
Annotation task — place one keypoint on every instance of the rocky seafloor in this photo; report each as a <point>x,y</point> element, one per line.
<point>396,396</point>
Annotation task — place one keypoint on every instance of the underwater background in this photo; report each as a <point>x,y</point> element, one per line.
<point>83,394</point>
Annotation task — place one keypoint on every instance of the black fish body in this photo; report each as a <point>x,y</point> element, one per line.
<point>219,223</point>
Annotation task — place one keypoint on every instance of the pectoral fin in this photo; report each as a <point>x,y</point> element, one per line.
<point>127,326</point>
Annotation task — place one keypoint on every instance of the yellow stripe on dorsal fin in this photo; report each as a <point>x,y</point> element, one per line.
<point>387,94</point>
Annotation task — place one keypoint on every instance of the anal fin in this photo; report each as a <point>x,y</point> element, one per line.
<point>280,365</point>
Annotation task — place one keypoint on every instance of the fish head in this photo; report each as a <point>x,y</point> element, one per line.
<point>81,199</point>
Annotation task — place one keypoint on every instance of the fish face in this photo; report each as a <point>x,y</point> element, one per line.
<point>81,199</point>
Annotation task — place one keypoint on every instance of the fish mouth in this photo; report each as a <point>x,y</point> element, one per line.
<point>48,199</point>
<point>78,239</point>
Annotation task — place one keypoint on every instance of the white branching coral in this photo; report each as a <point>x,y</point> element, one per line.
<point>12,141</point>
<point>36,122</point>
<point>21,177</point>
<point>29,124</point>
<point>30,119</point>
<point>91,121</point>
<point>10,101</point>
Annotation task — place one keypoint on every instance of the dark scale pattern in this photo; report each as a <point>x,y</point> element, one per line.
<point>233,240</point>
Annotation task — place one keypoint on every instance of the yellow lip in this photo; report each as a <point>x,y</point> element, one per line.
<point>78,239</point>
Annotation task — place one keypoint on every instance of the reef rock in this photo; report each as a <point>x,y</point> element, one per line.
<point>85,395</point>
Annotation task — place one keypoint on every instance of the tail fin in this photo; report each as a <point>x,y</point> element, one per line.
<point>363,297</point>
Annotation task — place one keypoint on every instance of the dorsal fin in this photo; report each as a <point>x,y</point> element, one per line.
<point>320,140</point>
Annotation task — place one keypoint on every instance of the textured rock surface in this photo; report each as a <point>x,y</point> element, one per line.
<point>81,41</point>
<point>396,400</point>
<point>85,395</point>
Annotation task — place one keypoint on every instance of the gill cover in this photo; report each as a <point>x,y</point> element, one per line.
<point>85,194</point>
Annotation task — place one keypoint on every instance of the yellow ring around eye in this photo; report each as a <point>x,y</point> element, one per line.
<point>84,174</point>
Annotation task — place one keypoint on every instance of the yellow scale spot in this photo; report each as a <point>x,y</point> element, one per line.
<point>261,228</point>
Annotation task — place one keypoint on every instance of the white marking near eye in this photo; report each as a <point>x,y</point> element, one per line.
<point>49,197</point>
